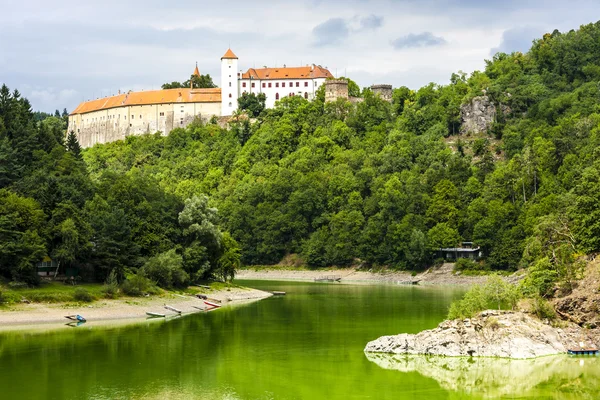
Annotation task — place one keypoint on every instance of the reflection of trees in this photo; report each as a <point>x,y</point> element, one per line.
<point>562,376</point>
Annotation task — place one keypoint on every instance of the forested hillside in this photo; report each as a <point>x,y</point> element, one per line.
<point>337,182</point>
<point>49,206</point>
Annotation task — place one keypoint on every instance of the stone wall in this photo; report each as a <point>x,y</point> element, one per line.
<point>117,123</point>
<point>335,89</point>
<point>383,91</point>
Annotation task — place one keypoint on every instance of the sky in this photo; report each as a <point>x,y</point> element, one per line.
<point>60,53</point>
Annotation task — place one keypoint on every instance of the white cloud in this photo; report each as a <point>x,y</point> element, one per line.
<point>56,60</point>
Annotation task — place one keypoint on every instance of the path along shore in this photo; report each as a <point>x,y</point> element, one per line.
<point>442,275</point>
<point>124,310</point>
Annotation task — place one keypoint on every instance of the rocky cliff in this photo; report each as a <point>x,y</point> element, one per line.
<point>478,115</point>
<point>492,334</point>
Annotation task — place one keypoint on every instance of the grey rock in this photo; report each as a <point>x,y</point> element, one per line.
<point>490,334</point>
<point>478,115</point>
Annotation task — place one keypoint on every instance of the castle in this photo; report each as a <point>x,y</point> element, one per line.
<point>134,113</point>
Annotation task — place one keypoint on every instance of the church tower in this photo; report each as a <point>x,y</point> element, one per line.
<point>229,83</point>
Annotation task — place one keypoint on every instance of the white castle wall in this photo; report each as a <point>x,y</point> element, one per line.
<point>117,123</point>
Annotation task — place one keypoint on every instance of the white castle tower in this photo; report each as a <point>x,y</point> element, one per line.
<point>229,83</point>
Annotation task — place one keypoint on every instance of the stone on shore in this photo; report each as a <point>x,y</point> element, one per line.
<point>490,334</point>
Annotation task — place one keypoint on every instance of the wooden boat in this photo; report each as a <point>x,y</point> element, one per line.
<point>278,293</point>
<point>155,315</point>
<point>199,308</point>
<point>173,309</point>
<point>77,318</point>
<point>211,304</point>
<point>583,352</point>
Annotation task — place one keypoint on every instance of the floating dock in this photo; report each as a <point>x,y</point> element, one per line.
<point>583,352</point>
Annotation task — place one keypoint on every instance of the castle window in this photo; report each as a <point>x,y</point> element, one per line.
<point>269,84</point>
<point>277,84</point>
<point>244,84</point>
<point>297,84</point>
<point>229,95</point>
<point>305,84</point>
<point>130,125</point>
<point>162,114</point>
<point>229,104</point>
<point>306,95</point>
<point>276,96</point>
<point>133,116</point>
<point>140,117</point>
<point>229,84</point>
<point>282,84</point>
<point>264,84</point>
<point>252,84</point>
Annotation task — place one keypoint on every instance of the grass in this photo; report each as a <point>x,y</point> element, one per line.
<point>51,292</point>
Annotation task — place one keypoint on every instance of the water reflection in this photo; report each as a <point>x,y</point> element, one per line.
<point>564,377</point>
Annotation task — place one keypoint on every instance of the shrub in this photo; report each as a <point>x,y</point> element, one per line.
<point>543,309</point>
<point>480,146</point>
<point>83,295</point>
<point>138,285</point>
<point>111,285</point>
<point>166,269</point>
<point>541,279</point>
<point>495,293</point>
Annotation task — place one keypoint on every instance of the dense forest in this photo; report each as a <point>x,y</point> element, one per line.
<point>336,183</point>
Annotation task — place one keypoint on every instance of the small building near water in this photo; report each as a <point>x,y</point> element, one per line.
<point>467,250</point>
<point>46,267</point>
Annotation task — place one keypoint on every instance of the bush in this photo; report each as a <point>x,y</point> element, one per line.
<point>83,295</point>
<point>468,266</point>
<point>541,279</point>
<point>137,285</point>
<point>543,309</point>
<point>166,269</point>
<point>495,293</point>
<point>111,285</point>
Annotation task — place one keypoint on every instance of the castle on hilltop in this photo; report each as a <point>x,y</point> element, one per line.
<point>134,113</point>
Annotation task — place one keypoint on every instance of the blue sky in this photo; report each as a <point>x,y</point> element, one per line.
<point>60,53</point>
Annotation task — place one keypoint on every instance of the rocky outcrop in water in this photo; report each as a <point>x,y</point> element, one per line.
<point>478,115</point>
<point>491,334</point>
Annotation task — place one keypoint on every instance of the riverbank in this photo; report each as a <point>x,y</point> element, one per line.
<point>443,275</point>
<point>128,309</point>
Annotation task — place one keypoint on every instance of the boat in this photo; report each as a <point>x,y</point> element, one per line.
<point>173,309</point>
<point>77,318</point>
<point>155,315</point>
<point>582,352</point>
<point>210,303</point>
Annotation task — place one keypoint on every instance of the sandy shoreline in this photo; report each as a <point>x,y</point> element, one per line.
<point>129,310</point>
<point>435,276</point>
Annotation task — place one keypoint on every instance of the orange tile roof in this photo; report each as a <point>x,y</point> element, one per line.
<point>309,72</point>
<point>196,71</point>
<point>151,97</point>
<point>229,54</point>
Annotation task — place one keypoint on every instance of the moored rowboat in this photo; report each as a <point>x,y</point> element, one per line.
<point>155,315</point>
<point>210,303</point>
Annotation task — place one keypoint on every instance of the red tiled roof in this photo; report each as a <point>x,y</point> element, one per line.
<point>229,54</point>
<point>309,72</point>
<point>151,97</point>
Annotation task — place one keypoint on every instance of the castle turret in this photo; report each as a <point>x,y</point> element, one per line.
<point>229,83</point>
<point>196,71</point>
<point>335,89</point>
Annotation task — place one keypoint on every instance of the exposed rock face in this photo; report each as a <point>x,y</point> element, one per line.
<point>478,115</point>
<point>490,334</point>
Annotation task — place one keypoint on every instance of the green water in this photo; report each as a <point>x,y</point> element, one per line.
<point>306,345</point>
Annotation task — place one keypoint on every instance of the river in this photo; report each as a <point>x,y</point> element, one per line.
<point>305,345</point>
